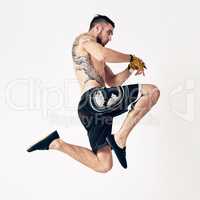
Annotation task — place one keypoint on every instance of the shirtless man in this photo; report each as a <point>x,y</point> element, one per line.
<point>103,97</point>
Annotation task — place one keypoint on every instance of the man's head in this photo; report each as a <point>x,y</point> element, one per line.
<point>103,27</point>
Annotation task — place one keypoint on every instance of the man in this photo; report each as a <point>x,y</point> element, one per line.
<point>103,98</point>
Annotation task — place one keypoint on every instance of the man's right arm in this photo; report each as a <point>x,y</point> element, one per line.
<point>104,54</point>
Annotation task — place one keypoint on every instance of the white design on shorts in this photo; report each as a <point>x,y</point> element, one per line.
<point>99,99</point>
<point>112,100</point>
<point>100,104</point>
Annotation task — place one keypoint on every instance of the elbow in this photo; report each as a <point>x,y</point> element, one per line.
<point>111,82</point>
<point>103,56</point>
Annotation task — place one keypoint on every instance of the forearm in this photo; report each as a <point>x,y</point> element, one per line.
<point>112,56</point>
<point>120,77</point>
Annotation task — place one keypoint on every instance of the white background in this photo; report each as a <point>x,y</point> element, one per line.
<point>39,93</point>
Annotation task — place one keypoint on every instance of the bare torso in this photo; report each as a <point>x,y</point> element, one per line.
<point>89,71</point>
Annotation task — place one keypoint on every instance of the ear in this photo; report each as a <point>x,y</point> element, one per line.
<point>99,28</point>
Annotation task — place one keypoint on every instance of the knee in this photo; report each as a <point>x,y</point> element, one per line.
<point>104,168</point>
<point>151,90</point>
<point>155,94</point>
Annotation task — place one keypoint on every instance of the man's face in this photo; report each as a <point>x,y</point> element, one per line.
<point>105,34</point>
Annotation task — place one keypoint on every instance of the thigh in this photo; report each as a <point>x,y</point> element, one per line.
<point>104,100</point>
<point>131,94</point>
<point>113,101</point>
<point>99,129</point>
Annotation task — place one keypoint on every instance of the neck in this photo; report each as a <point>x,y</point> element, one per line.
<point>92,33</point>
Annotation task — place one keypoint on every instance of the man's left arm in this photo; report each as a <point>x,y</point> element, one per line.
<point>113,80</point>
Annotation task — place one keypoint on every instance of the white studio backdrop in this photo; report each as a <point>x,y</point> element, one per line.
<point>39,93</point>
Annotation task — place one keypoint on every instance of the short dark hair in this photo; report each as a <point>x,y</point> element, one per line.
<point>101,19</point>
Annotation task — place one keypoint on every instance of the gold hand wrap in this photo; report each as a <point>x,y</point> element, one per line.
<point>136,63</point>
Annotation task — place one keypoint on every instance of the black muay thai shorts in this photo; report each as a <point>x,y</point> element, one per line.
<point>99,105</point>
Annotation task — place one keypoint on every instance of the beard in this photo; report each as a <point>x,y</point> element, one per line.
<point>100,41</point>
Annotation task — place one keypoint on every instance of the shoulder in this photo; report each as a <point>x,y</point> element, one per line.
<point>85,37</point>
<point>82,38</point>
<point>77,48</point>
